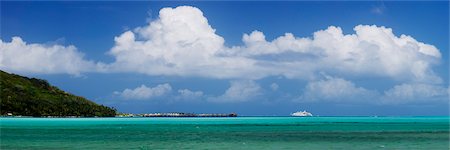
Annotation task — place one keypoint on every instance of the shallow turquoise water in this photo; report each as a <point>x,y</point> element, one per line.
<point>226,133</point>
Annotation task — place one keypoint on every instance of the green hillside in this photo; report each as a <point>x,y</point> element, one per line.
<point>36,97</point>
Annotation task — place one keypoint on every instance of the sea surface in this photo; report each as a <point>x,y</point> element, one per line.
<point>430,133</point>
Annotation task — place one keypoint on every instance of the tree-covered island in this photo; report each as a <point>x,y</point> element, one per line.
<point>36,97</point>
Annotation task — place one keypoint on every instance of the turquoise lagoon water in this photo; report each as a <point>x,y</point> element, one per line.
<point>226,133</point>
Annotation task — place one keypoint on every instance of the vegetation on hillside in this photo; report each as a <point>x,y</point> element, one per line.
<point>36,97</point>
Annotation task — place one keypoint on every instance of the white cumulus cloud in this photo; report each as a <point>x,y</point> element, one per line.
<point>19,56</point>
<point>144,92</point>
<point>181,42</point>
<point>372,50</point>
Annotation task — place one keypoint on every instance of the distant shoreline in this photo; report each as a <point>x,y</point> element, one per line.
<point>222,117</point>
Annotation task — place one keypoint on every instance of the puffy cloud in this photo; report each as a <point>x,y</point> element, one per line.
<point>144,92</point>
<point>239,91</point>
<point>19,56</point>
<point>181,42</point>
<point>372,50</point>
<point>416,93</point>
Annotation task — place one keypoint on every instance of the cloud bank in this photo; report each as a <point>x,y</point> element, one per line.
<point>181,42</point>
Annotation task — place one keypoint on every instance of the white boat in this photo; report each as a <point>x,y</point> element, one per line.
<point>301,114</point>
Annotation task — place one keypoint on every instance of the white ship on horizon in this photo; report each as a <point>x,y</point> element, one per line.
<point>301,114</point>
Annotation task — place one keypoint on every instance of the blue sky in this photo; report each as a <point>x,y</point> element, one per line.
<point>339,58</point>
